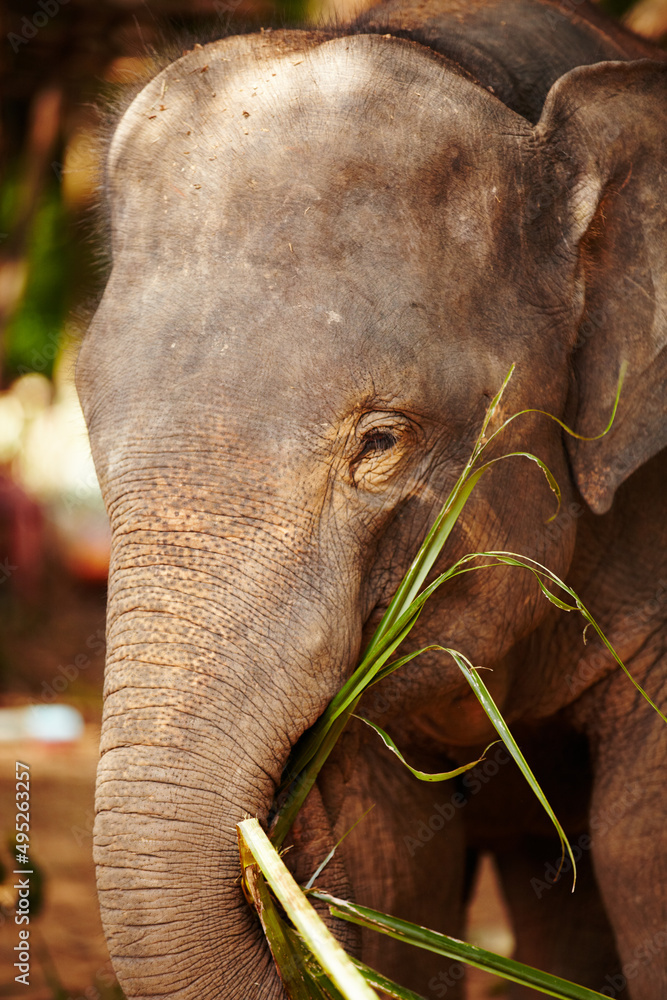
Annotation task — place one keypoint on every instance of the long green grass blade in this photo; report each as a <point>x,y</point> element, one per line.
<point>396,623</point>
<point>452,948</point>
<point>354,687</point>
<point>485,699</point>
<point>568,430</point>
<point>404,610</point>
<point>316,978</point>
<point>387,986</point>
<point>311,977</point>
<point>374,661</point>
<point>429,552</point>
<point>389,668</point>
<point>318,982</point>
<point>304,779</point>
<point>422,775</point>
<point>541,573</point>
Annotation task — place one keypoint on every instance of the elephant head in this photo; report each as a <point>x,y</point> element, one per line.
<point>327,252</point>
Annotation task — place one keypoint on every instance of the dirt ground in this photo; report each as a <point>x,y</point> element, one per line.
<point>67,944</point>
<point>68,930</point>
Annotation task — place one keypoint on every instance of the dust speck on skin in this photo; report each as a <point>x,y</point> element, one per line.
<point>334,317</point>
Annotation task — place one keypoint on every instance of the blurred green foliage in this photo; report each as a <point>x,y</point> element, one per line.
<point>33,332</point>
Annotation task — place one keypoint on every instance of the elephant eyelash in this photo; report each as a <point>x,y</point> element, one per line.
<point>376,442</point>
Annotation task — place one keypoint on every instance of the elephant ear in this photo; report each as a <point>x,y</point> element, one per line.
<point>604,129</point>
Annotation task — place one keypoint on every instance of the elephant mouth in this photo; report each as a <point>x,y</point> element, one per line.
<point>311,841</point>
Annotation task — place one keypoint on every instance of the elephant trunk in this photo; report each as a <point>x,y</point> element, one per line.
<point>199,717</point>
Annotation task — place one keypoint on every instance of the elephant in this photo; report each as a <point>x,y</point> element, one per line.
<point>328,247</point>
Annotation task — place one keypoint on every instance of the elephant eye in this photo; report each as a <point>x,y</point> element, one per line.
<point>381,443</point>
<point>375,442</point>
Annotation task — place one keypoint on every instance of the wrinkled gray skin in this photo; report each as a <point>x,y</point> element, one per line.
<point>327,253</point>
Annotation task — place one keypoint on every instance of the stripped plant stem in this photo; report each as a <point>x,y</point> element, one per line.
<point>257,853</point>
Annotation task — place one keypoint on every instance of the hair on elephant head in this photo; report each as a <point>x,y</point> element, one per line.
<point>327,251</point>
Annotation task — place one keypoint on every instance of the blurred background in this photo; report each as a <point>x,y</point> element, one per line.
<point>62,63</point>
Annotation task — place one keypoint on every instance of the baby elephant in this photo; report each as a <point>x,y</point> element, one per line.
<point>329,247</point>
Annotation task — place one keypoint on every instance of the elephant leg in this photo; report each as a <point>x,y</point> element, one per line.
<point>406,857</point>
<point>559,931</point>
<point>629,829</point>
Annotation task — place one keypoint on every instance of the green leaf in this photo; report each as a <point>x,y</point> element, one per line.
<point>568,430</point>
<point>300,781</point>
<point>485,699</point>
<point>308,958</point>
<point>540,572</point>
<point>354,687</point>
<point>548,474</point>
<point>396,664</point>
<point>404,609</point>
<point>437,536</point>
<point>448,947</point>
<point>310,757</point>
<point>422,775</point>
<point>315,978</point>
<point>399,618</point>
<point>286,955</point>
<point>387,986</point>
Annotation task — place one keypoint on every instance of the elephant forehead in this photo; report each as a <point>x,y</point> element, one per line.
<point>232,141</point>
<point>254,339</point>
